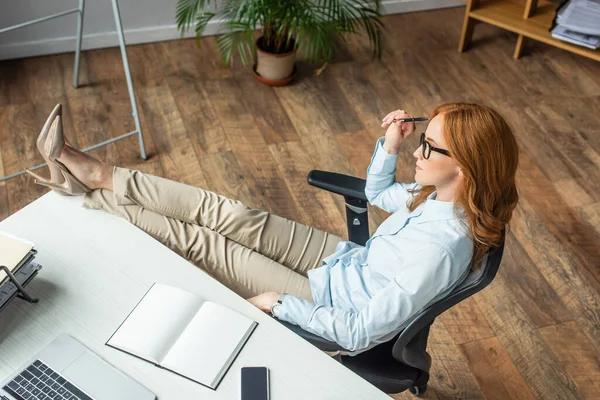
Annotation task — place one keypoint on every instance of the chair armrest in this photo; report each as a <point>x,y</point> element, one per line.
<point>348,186</point>
<point>317,341</point>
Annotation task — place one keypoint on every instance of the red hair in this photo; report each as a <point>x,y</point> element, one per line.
<point>484,147</point>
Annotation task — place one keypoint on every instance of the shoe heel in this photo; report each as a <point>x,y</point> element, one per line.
<point>36,176</point>
<point>56,188</point>
<point>65,189</point>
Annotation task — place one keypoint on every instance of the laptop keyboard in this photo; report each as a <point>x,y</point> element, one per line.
<point>40,382</point>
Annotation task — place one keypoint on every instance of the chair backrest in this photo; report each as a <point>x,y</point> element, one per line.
<point>473,283</point>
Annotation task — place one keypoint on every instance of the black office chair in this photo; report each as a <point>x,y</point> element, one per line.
<point>403,362</point>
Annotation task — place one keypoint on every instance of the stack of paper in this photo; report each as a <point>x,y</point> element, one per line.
<point>17,256</point>
<point>13,253</point>
<point>578,22</point>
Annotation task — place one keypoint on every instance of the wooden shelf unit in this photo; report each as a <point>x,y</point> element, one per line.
<point>530,19</point>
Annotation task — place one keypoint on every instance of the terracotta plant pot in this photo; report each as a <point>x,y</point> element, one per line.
<point>274,69</point>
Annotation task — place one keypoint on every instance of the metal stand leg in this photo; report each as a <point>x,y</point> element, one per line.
<point>22,293</point>
<point>78,44</point>
<point>134,114</point>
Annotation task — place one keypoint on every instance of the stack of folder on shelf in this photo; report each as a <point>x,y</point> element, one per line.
<point>17,256</point>
<point>578,22</point>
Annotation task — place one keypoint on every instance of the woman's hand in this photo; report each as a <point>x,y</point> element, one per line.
<point>264,301</point>
<point>397,131</point>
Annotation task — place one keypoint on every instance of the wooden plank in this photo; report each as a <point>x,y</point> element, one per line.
<point>533,141</point>
<point>355,82</point>
<point>529,286</point>
<point>206,58</point>
<point>306,114</point>
<point>572,193</point>
<point>226,178</point>
<point>466,323</point>
<point>201,121</point>
<point>315,205</point>
<point>306,111</point>
<point>18,152</point>
<point>5,113</point>
<point>406,395</point>
<point>114,93</point>
<point>87,77</point>
<point>142,58</point>
<point>44,78</point>
<point>494,370</point>
<point>249,147</point>
<point>577,237</point>
<point>13,83</point>
<point>163,122</point>
<point>105,65</point>
<point>579,79</point>
<point>572,147</point>
<point>591,214</point>
<point>178,58</point>
<point>525,346</point>
<point>450,374</point>
<point>269,115</point>
<point>338,113</point>
<point>576,115</point>
<point>91,120</point>
<point>4,206</point>
<point>559,268</point>
<point>572,348</point>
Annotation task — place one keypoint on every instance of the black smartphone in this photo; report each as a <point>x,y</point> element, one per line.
<point>255,383</point>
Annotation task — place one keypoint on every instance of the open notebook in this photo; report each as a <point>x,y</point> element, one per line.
<point>177,330</point>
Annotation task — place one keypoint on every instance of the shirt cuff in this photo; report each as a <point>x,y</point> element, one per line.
<point>296,310</point>
<point>382,161</point>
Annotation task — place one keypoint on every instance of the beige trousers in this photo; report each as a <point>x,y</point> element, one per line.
<point>250,251</point>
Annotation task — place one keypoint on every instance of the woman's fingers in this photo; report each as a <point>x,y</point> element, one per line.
<point>394,115</point>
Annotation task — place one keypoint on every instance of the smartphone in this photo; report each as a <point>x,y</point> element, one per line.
<point>255,383</point>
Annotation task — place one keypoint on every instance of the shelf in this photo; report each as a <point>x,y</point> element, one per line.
<point>508,14</point>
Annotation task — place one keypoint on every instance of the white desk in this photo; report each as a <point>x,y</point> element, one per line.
<point>96,267</point>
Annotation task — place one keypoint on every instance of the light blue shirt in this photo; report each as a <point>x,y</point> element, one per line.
<point>365,295</point>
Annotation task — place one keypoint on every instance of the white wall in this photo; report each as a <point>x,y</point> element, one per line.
<point>143,21</point>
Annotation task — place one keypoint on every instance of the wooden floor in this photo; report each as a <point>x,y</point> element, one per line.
<point>533,333</point>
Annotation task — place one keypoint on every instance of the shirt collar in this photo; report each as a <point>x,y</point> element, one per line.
<point>435,210</point>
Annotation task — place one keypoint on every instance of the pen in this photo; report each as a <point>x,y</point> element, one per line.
<point>419,119</point>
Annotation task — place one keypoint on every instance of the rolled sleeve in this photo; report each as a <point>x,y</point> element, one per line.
<point>381,190</point>
<point>382,161</point>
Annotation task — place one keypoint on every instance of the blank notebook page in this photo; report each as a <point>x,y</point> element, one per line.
<point>207,343</point>
<point>156,323</point>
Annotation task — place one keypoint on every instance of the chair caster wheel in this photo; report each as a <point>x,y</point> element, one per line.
<point>418,390</point>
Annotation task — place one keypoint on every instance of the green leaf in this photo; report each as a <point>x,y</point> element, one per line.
<point>314,26</point>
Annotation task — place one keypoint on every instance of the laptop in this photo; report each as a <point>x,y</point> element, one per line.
<point>67,370</point>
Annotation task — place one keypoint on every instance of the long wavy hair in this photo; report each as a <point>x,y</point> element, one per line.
<point>483,145</point>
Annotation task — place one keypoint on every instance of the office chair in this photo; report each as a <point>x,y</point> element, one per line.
<point>403,362</point>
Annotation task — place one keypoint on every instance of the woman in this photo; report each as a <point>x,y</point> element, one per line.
<point>357,296</point>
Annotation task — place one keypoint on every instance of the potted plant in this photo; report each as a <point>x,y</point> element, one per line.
<point>314,27</point>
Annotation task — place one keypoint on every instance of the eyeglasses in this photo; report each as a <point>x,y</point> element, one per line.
<point>427,148</point>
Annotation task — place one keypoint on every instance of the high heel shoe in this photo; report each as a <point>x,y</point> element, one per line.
<point>61,179</point>
<point>55,174</point>
<point>71,186</point>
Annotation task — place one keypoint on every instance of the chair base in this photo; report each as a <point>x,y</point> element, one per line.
<point>379,368</point>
